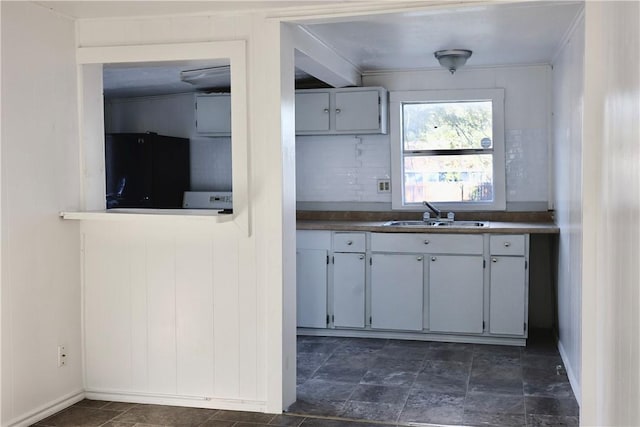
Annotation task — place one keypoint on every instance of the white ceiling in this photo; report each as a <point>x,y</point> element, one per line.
<point>507,34</point>
<point>127,80</point>
<point>503,34</point>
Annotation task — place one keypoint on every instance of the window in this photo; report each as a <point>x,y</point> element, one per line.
<point>448,149</point>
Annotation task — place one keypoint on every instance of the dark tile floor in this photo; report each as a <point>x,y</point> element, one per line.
<point>346,382</point>
<point>408,382</point>
<point>94,413</point>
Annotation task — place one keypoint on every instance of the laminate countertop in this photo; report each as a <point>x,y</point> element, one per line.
<point>378,227</point>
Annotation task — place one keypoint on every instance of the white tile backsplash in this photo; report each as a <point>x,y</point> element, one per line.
<point>346,168</point>
<point>526,163</point>
<point>342,168</point>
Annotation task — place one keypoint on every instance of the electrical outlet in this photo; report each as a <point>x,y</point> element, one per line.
<point>62,356</point>
<point>384,186</point>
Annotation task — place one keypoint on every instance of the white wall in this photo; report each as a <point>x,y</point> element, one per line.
<point>345,168</point>
<point>174,115</point>
<point>248,346</point>
<point>611,216</point>
<point>171,311</point>
<point>568,88</point>
<point>40,177</point>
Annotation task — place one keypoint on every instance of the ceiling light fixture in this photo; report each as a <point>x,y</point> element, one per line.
<point>452,59</point>
<point>204,75</point>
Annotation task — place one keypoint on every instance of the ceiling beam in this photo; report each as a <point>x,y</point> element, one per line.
<point>316,58</point>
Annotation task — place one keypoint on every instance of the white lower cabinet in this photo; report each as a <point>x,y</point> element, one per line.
<point>348,290</point>
<point>311,278</point>
<point>507,311</point>
<point>397,292</point>
<point>443,284</point>
<point>508,285</point>
<point>312,259</point>
<point>456,293</point>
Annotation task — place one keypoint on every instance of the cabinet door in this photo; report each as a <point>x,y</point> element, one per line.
<point>396,292</point>
<point>348,290</point>
<point>312,112</point>
<point>455,293</point>
<point>213,114</point>
<point>507,296</point>
<point>311,282</point>
<point>357,111</point>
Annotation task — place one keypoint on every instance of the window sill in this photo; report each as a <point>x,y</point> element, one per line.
<point>207,215</point>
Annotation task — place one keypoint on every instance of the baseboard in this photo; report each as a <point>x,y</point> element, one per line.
<point>416,336</point>
<point>46,410</point>
<point>173,400</point>
<point>573,380</point>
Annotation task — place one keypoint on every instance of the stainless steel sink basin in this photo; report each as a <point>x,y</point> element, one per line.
<point>435,223</point>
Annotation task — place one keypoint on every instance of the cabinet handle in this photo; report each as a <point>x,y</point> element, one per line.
<point>494,259</point>
<point>361,257</point>
<point>433,258</point>
<point>426,242</point>
<point>349,243</point>
<point>507,244</point>
<point>338,111</point>
<point>326,110</point>
<point>419,258</point>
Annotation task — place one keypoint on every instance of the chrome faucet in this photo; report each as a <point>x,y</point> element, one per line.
<point>438,212</point>
<point>426,216</point>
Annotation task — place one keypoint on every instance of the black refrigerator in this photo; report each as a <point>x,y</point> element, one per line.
<point>146,170</point>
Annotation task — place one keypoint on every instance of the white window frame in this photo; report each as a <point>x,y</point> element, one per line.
<point>397,98</point>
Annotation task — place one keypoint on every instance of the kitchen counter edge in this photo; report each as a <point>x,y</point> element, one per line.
<point>377,227</point>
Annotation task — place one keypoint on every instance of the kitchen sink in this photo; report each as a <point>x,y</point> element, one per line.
<point>436,223</point>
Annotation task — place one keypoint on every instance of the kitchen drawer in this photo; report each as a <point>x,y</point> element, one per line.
<point>427,243</point>
<point>507,244</point>
<point>313,239</point>
<point>349,242</point>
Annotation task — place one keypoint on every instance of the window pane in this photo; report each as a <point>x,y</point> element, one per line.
<point>447,125</point>
<point>461,178</point>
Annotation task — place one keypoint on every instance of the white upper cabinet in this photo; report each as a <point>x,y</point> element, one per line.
<point>359,110</point>
<point>213,114</point>
<point>312,111</point>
